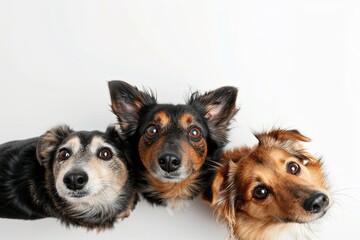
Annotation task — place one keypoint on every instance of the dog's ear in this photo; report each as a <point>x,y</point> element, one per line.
<point>282,136</point>
<point>223,196</point>
<point>286,135</point>
<point>113,131</point>
<point>50,141</point>
<point>291,140</point>
<point>126,103</point>
<point>218,108</point>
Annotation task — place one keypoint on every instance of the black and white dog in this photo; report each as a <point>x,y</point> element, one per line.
<point>82,178</point>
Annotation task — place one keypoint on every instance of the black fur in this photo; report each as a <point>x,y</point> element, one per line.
<point>213,110</point>
<point>27,187</point>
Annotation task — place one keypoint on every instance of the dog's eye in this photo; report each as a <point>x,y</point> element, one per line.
<point>260,192</point>
<point>105,154</point>
<point>64,154</point>
<point>151,131</point>
<point>195,133</point>
<point>294,168</point>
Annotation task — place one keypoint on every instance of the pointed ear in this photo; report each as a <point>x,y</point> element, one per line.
<point>50,141</point>
<point>113,131</point>
<point>126,103</point>
<point>218,108</point>
<point>283,136</point>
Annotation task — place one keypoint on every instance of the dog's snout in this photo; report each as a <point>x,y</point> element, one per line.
<point>316,203</point>
<point>169,162</point>
<point>75,180</point>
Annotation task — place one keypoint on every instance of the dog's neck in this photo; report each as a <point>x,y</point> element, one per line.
<point>174,193</point>
<point>249,228</point>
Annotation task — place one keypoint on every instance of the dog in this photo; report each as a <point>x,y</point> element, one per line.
<point>82,178</point>
<point>273,190</point>
<point>175,143</point>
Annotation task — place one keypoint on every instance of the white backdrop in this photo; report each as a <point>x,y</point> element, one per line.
<point>296,64</point>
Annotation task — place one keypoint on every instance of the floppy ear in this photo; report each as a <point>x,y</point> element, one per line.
<point>290,139</point>
<point>49,141</point>
<point>285,135</point>
<point>223,199</point>
<point>282,136</point>
<point>126,103</point>
<point>218,108</point>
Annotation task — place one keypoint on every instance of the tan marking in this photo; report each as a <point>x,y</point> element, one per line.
<point>73,143</point>
<point>191,157</point>
<point>149,155</point>
<point>186,120</point>
<point>162,118</point>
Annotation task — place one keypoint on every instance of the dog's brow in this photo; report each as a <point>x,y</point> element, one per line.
<point>98,142</point>
<point>162,118</point>
<point>73,143</point>
<point>185,120</point>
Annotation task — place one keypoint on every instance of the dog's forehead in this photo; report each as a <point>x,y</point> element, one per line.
<point>86,141</point>
<point>270,155</point>
<point>263,165</point>
<point>180,115</point>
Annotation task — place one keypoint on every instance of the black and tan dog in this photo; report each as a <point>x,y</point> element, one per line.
<point>82,178</point>
<point>273,190</point>
<point>176,143</point>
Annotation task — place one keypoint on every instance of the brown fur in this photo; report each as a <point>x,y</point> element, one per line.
<point>193,156</point>
<point>244,169</point>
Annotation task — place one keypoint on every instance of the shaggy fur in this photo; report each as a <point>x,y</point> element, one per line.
<point>272,190</point>
<point>81,178</point>
<point>176,143</point>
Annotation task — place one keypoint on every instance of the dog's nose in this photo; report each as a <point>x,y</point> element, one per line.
<point>316,203</point>
<point>169,162</point>
<point>75,180</point>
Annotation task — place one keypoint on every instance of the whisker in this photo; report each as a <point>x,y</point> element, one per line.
<point>349,196</point>
<point>311,230</point>
<point>344,189</point>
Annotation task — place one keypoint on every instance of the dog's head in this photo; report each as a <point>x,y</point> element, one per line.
<point>276,181</point>
<point>173,140</point>
<point>86,172</point>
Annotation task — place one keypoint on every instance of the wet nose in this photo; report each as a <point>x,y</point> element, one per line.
<point>169,162</point>
<point>75,180</point>
<point>316,203</point>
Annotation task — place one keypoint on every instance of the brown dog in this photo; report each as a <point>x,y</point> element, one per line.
<point>270,190</point>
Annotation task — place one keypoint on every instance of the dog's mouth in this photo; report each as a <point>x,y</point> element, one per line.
<point>170,177</point>
<point>78,194</point>
<point>303,220</point>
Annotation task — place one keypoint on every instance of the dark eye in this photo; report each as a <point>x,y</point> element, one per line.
<point>294,168</point>
<point>151,131</point>
<point>105,154</point>
<point>195,133</point>
<point>260,192</point>
<point>64,154</point>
